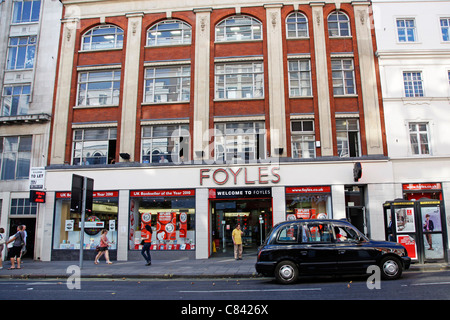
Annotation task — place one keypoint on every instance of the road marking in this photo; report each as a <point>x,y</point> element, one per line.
<point>429,283</point>
<point>249,290</point>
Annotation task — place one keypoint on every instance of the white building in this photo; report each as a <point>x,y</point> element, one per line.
<point>29,38</point>
<point>413,46</point>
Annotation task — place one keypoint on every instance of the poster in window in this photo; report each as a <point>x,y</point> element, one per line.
<point>409,242</point>
<point>431,219</point>
<point>165,226</point>
<point>183,224</point>
<point>404,220</point>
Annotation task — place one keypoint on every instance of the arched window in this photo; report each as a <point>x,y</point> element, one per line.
<point>169,32</point>
<point>297,25</point>
<point>338,24</point>
<point>238,28</point>
<point>103,37</point>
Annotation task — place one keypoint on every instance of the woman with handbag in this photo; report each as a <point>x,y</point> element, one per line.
<point>103,247</point>
<point>15,251</point>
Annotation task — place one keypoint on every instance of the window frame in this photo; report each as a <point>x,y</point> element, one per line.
<point>222,35</point>
<point>175,139</point>
<point>297,19</point>
<point>113,91</point>
<point>297,76</point>
<point>105,45</point>
<point>79,145</point>
<point>405,29</point>
<point>21,51</point>
<point>183,76</point>
<point>224,89</point>
<point>18,152</point>
<point>338,22</point>
<point>340,77</point>
<point>418,135</point>
<point>35,9</point>
<point>412,85</point>
<point>184,29</point>
<point>233,134</point>
<point>445,35</point>
<point>21,99</point>
<point>345,151</point>
<point>303,138</point>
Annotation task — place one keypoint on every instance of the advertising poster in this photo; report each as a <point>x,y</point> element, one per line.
<point>409,242</point>
<point>404,220</point>
<point>183,224</point>
<point>434,248</point>
<point>431,219</point>
<point>165,226</point>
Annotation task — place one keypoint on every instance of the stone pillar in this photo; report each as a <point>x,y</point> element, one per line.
<point>366,54</point>
<point>277,108</point>
<point>201,83</point>
<point>323,93</point>
<point>62,103</point>
<point>130,85</point>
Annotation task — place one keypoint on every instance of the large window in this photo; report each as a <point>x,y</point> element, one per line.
<point>300,78</point>
<point>26,11</point>
<point>343,76</point>
<point>103,37</point>
<point>419,138</point>
<point>97,88</point>
<point>308,202</point>
<point>15,157</point>
<point>238,28</point>
<point>239,80</point>
<point>239,141</point>
<point>406,30</point>
<point>165,144</point>
<point>21,52</point>
<point>445,29</point>
<point>167,84</point>
<point>338,24</point>
<point>348,139</point>
<point>15,100</point>
<point>296,26</point>
<point>169,32</point>
<point>104,215</point>
<point>94,146</point>
<point>303,139</point>
<point>171,215</point>
<point>413,84</point>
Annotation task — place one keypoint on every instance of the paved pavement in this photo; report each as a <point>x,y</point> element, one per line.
<point>223,267</point>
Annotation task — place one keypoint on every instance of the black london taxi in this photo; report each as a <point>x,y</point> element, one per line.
<point>304,247</point>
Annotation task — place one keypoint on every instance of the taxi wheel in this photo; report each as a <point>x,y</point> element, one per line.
<point>286,272</point>
<point>391,268</point>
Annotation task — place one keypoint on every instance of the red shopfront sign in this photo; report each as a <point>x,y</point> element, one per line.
<point>163,193</point>
<point>97,194</point>
<point>421,186</point>
<point>316,189</point>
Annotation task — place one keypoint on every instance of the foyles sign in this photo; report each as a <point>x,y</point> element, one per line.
<point>248,175</point>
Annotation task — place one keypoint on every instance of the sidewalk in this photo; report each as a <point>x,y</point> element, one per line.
<point>160,269</point>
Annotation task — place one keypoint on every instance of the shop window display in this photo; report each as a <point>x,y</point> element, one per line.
<point>170,213</point>
<point>103,216</point>
<point>308,203</point>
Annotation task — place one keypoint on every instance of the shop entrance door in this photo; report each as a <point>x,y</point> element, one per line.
<point>30,224</point>
<point>355,209</point>
<point>253,215</point>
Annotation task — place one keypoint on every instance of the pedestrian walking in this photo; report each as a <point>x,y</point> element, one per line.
<point>146,236</point>
<point>18,241</point>
<point>2,245</point>
<point>103,247</point>
<point>237,240</point>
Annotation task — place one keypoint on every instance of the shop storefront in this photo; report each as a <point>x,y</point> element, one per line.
<point>171,215</point>
<point>251,208</point>
<point>67,228</point>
